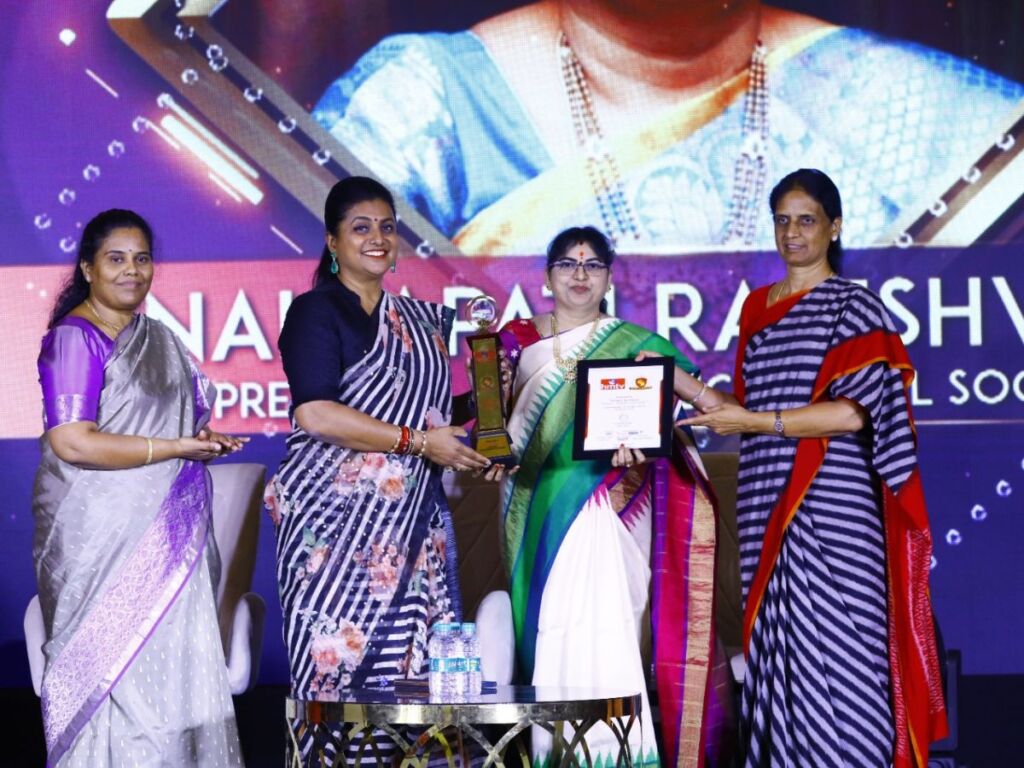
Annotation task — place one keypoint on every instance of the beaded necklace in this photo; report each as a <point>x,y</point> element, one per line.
<point>749,174</point>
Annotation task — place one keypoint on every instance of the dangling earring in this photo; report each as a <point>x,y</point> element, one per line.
<point>394,265</point>
<point>334,263</point>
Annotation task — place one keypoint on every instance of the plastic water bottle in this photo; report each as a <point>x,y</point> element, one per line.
<point>453,676</point>
<point>436,658</point>
<point>474,675</point>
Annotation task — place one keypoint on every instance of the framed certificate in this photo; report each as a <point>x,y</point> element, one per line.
<point>623,402</point>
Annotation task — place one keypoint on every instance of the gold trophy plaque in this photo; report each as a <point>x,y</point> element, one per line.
<point>490,437</point>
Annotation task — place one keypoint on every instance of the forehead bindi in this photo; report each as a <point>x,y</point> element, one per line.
<point>374,219</point>
<point>125,242</point>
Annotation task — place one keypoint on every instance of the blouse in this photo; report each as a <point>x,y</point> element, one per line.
<point>326,331</point>
<point>71,366</point>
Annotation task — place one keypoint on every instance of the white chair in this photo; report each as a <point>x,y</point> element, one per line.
<point>497,637</point>
<point>237,498</point>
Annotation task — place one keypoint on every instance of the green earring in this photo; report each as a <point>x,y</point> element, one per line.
<point>334,263</point>
<point>394,265</point>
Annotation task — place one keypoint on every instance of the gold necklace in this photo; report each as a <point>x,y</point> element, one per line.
<point>567,364</point>
<point>781,288</point>
<point>109,325</point>
<point>749,173</point>
<point>777,290</point>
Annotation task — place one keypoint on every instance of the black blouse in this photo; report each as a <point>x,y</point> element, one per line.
<point>325,332</point>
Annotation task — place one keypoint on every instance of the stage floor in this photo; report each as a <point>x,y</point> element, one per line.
<point>991,717</point>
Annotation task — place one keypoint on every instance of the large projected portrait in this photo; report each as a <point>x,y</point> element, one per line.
<point>662,122</point>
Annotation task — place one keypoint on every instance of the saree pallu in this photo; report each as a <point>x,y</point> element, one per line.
<point>834,543</point>
<point>126,563</point>
<point>365,546</point>
<point>604,562</point>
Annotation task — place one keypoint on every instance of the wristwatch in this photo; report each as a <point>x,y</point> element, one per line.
<point>780,428</point>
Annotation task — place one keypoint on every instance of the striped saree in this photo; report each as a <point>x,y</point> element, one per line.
<point>365,551</point>
<point>604,561</point>
<point>834,543</point>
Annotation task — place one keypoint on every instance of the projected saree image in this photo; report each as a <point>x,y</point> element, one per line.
<point>532,120</point>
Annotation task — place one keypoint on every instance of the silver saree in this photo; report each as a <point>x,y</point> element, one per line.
<point>126,566</point>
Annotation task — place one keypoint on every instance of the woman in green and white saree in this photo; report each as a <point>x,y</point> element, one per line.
<point>605,557</point>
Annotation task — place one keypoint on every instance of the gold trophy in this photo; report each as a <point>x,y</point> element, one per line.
<point>490,437</point>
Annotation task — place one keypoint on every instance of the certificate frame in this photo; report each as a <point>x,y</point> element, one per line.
<point>584,411</point>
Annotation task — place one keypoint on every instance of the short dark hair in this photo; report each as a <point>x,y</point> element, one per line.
<point>76,288</point>
<point>818,185</point>
<point>343,195</point>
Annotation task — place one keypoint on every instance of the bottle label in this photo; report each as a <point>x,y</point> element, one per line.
<point>435,665</point>
<point>473,664</point>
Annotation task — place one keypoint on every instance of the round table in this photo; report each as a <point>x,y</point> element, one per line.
<point>351,723</point>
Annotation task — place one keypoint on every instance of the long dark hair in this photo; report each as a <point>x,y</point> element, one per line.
<point>75,288</point>
<point>341,198</point>
<point>819,186</point>
<point>592,236</point>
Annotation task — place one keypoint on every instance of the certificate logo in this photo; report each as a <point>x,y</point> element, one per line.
<point>613,383</point>
<point>640,382</point>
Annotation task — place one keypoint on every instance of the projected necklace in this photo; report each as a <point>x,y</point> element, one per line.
<point>749,173</point>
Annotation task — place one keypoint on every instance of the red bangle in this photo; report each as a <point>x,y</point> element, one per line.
<point>403,441</point>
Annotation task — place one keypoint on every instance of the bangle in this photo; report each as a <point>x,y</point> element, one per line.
<point>149,451</point>
<point>780,428</point>
<point>394,446</point>
<point>423,444</point>
<point>701,391</point>
<point>402,447</point>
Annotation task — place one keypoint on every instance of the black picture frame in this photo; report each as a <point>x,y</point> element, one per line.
<point>667,402</point>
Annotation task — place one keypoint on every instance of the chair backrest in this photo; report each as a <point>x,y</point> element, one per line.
<point>237,499</point>
<point>722,469</point>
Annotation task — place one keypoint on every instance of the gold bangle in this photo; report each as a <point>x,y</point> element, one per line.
<point>423,444</point>
<point>398,439</point>
<point>149,452</point>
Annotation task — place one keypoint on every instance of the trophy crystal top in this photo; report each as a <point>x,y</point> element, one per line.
<point>482,312</point>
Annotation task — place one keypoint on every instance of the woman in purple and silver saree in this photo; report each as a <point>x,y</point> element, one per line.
<point>365,551</point>
<point>124,554</point>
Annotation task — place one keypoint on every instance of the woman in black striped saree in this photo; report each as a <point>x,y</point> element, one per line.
<point>834,540</point>
<point>365,549</point>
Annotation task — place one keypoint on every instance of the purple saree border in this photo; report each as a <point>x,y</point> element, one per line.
<point>94,661</point>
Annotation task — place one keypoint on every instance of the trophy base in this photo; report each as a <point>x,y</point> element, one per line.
<point>496,445</point>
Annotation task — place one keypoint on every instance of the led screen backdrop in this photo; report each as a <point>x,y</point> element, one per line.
<point>225,124</point>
